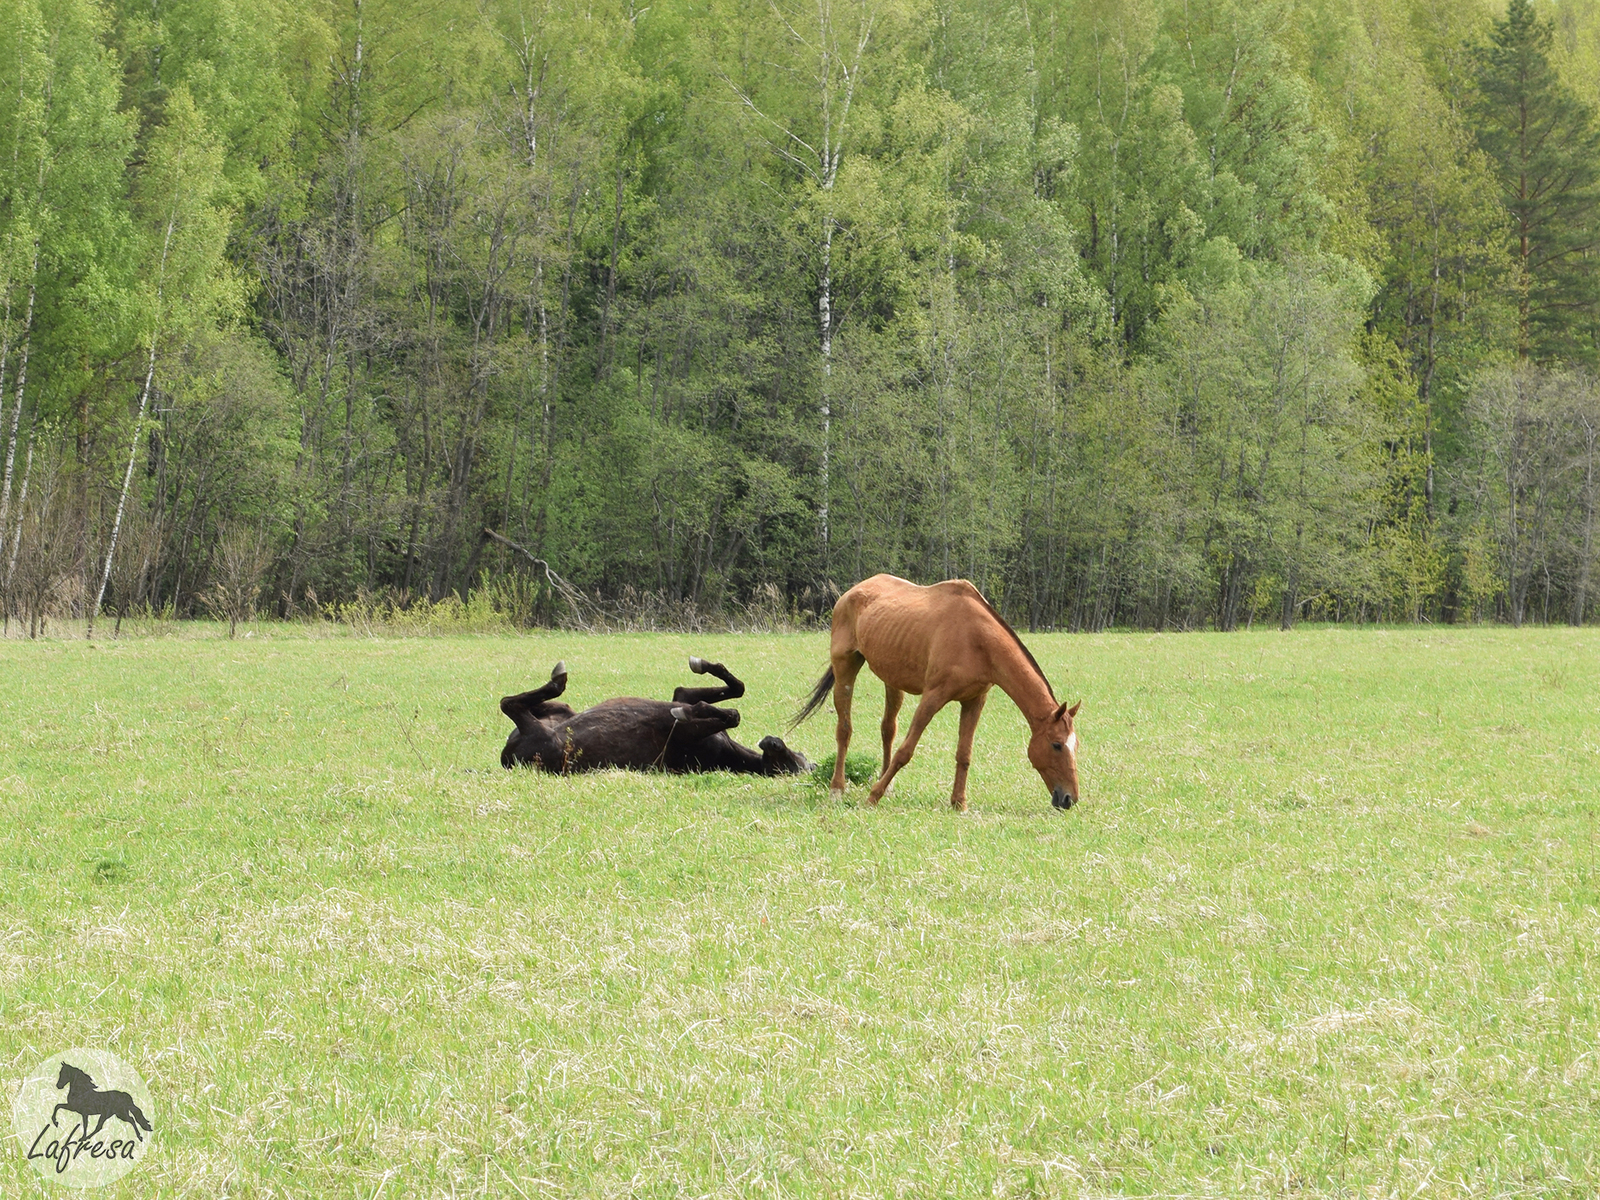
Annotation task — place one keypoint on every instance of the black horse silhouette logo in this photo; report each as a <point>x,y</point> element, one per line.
<point>88,1101</point>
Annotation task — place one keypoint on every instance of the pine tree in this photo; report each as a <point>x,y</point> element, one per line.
<point>1545,143</point>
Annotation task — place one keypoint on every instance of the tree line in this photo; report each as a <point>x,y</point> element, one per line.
<point>1163,313</point>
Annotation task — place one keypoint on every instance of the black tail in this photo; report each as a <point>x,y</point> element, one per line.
<point>818,695</point>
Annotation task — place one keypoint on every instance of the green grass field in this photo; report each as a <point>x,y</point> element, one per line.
<point>1326,924</point>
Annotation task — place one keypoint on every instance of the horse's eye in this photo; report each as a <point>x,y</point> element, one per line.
<point>1057,745</point>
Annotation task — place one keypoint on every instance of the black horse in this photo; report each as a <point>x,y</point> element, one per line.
<point>88,1101</point>
<point>687,733</point>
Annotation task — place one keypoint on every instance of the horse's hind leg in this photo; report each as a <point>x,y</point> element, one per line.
<point>845,669</point>
<point>525,709</point>
<point>892,699</point>
<point>732,687</point>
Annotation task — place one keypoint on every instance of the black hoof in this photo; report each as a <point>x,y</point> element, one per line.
<point>698,665</point>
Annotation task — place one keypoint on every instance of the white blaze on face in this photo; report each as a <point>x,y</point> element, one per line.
<point>1072,742</point>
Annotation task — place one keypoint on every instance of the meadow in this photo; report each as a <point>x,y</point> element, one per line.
<point>1325,924</point>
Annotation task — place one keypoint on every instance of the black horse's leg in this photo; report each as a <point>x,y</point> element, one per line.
<point>104,1117</point>
<point>526,709</point>
<point>733,688</point>
<point>691,722</point>
<point>56,1112</point>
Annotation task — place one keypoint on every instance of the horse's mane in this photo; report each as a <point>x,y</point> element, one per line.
<point>1026,653</point>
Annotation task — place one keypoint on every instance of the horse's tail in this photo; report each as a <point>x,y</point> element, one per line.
<point>139,1119</point>
<point>818,695</point>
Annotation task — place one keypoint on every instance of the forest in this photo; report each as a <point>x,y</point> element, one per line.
<point>1141,313</point>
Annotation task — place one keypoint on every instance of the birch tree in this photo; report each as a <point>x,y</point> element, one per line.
<point>829,48</point>
<point>187,274</point>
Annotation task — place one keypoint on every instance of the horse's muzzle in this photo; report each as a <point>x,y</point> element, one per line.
<point>1062,798</point>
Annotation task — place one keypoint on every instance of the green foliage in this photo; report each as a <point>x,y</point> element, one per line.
<point>1136,312</point>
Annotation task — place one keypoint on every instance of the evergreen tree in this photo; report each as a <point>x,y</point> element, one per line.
<point>1545,143</point>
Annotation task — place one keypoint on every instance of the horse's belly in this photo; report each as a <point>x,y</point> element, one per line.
<point>898,677</point>
<point>895,645</point>
<point>617,734</point>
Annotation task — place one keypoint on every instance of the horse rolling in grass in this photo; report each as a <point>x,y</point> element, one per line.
<point>944,643</point>
<point>687,733</point>
<point>88,1101</point>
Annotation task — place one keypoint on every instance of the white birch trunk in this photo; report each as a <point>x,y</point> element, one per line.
<point>22,500</point>
<point>16,412</point>
<point>138,425</point>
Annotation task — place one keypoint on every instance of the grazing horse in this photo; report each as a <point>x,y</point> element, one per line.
<point>943,643</point>
<point>687,733</point>
<point>88,1101</point>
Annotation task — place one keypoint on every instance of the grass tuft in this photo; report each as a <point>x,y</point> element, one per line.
<point>858,768</point>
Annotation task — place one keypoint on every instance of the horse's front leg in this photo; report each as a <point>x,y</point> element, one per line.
<point>732,687</point>
<point>695,721</point>
<point>971,710</point>
<point>104,1117</point>
<point>56,1112</point>
<point>932,702</point>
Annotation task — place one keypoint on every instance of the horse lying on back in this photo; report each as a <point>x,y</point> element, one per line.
<point>687,733</point>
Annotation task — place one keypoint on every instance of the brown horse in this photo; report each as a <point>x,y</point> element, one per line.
<point>943,643</point>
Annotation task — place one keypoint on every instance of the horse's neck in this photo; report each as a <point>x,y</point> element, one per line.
<point>1018,678</point>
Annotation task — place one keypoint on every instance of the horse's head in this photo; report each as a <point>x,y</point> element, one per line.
<point>1054,754</point>
<point>780,760</point>
<point>70,1075</point>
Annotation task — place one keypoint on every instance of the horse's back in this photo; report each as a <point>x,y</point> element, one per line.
<point>889,596</point>
<point>901,628</point>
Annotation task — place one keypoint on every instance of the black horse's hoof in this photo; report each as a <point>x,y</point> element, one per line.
<point>557,671</point>
<point>698,665</point>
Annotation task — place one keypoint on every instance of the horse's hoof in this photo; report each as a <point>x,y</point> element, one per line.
<point>697,665</point>
<point>680,714</point>
<point>835,794</point>
<point>557,671</point>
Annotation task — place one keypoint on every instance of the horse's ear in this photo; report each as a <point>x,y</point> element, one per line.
<point>1060,712</point>
<point>1073,711</point>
